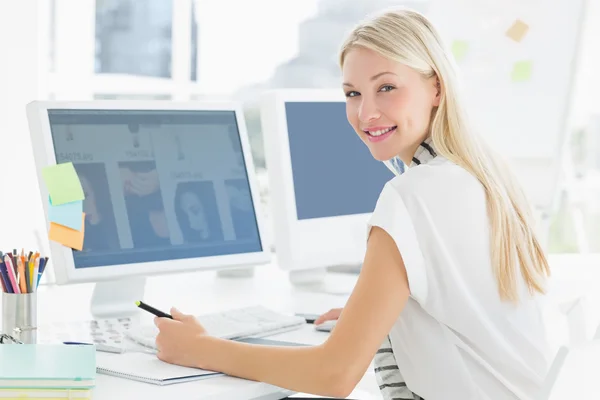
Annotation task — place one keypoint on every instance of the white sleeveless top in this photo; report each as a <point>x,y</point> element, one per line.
<point>455,339</point>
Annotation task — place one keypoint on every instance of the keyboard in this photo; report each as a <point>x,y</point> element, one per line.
<point>106,334</point>
<point>255,321</point>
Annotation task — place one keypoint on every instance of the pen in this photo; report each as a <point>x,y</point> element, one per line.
<point>26,265</point>
<point>4,279</point>
<point>99,347</point>
<point>11,275</point>
<point>41,269</point>
<point>13,262</point>
<point>152,310</point>
<point>22,280</point>
<point>34,276</point>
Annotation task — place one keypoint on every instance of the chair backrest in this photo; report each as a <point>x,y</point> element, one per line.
<point>597,334</point>
<point>574,373</point>
<point>553,373</point>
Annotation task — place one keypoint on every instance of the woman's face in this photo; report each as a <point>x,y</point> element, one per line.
<point>194,210</point>
<point>388,104</point>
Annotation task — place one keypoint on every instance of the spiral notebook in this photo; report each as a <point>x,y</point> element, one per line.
<point>145,367</point>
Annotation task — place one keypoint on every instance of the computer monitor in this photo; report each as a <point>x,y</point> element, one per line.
<point>323,181</point>
<point>168,187</point>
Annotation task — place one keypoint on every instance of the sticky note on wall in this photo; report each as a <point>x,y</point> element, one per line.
<point>517,31</point>
<point>522,71</point>
<point>63,183</point>
<point>460,48</point>
<point>66,236</point>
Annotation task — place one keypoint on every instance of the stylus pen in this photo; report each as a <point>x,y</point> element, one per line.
<point>99,347</point>
<point>152,310</point>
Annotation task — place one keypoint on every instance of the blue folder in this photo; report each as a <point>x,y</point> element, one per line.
<point>47,366</point>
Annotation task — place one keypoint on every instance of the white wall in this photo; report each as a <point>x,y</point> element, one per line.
<point>23,28</point>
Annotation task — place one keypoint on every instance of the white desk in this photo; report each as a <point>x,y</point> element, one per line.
<point>200,293</point>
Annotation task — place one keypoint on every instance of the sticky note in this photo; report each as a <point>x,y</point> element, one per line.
<point>521,71</point>
<point>517,31</point>
<point>66,236</point>
<point>68,214</point>
<point>62,183</point>
<point>460,49</point>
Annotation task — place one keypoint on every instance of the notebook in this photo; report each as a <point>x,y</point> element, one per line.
<point>46,394</point>
<point>145,367</point>
<point>47,366</point>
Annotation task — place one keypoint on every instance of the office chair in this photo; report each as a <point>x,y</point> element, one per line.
<point>574,372</point>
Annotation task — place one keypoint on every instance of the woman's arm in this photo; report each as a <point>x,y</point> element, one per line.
<point>331,369</point>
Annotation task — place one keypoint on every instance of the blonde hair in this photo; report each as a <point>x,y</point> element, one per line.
<point>409,38</point>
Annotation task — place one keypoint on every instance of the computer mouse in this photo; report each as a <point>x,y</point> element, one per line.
<point>326,326</point>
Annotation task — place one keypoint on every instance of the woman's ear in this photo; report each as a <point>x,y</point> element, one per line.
<point>438,95</point>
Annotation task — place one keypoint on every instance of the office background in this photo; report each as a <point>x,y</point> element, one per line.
<point>207,49</point>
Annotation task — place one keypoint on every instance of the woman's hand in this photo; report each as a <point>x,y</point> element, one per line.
<point>332,314</point>
<point>177,340</point>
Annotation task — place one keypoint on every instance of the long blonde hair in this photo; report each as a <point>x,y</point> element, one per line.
<point>409,38</point>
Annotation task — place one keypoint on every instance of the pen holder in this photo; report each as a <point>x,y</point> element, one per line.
<point>19,316</point>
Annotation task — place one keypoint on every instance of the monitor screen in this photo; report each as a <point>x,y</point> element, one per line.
<point>158,185</point>
<point>333,170</point>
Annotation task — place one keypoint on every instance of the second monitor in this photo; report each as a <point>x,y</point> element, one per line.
<point>324,183</point>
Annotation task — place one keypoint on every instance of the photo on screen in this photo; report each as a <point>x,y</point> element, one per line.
<point>100,227</point>
<point>145,208</point>
<point>236,146</point>
<point>197,212</point>
<point>242,208</point>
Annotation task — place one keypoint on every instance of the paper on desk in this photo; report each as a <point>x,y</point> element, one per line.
<point>147,368</point>
<point>522,71</point>
<point>517,31</point>
<point>63,183</point>
<point>68,214</point>
<point>67,236</point>
<point>460,48</point>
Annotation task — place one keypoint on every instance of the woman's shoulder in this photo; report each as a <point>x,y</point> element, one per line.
<point>439,178</point>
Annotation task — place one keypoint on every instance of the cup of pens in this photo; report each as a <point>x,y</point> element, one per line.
<point>20,276</point>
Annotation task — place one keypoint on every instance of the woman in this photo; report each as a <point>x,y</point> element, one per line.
<point>448,298</point>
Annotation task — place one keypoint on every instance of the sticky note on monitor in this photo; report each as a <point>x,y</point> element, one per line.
<point>63,183</point>
<point>68,214</point>
<point>460,48</point>
<point>522,71</point>
<point>66,236</point>
<point>517,31</point>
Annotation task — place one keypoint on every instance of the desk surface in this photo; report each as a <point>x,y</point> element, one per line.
<point>201,293</point>
<point>205,292</point>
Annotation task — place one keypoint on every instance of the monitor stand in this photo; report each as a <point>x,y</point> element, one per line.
<point>116,299</point>
<point>317,281</point>
<point>346,268</point>
<point>236,272</point>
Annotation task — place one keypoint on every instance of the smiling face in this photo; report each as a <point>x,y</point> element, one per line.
<point>388,104</point>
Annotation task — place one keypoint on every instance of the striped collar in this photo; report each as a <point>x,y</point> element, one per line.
<point>424,154</point>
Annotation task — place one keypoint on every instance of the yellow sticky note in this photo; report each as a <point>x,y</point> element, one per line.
<point>522,71</point>
<point>517,31</point>
<point>62,183</point>
<point>460,49</point>
<point>67,236</point>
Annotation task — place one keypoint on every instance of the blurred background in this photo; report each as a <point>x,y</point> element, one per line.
<point>235,49</point>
